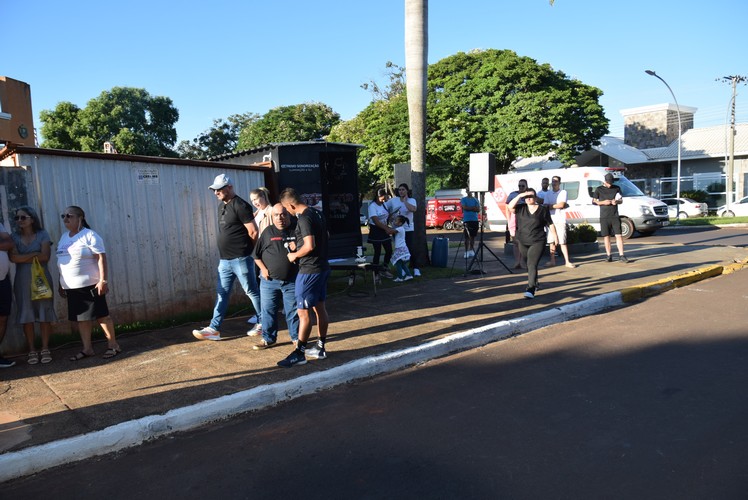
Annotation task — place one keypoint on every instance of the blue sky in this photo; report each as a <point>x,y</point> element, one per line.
<point>224,57</point>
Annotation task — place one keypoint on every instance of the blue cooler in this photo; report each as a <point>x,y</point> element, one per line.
<point>440,252</point>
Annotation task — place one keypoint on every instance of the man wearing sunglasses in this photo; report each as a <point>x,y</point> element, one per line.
<point>237,233</point>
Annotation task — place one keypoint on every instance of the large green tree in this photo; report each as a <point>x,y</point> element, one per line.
<point>483,101</point>
<point>496,101</point>
<point>300,122</point>
<point>130,118</point>
<point>221,138</point>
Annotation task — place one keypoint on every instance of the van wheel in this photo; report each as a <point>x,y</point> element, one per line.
<point>627,228</point>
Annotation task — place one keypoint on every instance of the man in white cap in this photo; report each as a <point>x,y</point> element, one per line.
<point>237,233</point>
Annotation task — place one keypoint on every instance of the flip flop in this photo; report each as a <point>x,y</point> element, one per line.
<point>80,356</point>
<point>111,352</point>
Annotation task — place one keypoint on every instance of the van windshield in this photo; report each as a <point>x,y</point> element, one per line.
<point>628,188</point>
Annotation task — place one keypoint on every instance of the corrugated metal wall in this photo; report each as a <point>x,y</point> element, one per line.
<point>158,221</point>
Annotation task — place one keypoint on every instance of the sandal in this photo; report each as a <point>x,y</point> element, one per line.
<point>46,356</point>
<point>80,356</point>
<point>111,352</point>
<point>33,358</point>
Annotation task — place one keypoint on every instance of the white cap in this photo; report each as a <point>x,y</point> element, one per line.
<point>221,181</point>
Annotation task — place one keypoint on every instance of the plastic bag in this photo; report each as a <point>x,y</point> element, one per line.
<point>40,288</point>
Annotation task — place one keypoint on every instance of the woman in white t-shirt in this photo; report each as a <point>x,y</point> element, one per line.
<point>81,259</point>
<point>404,205</point>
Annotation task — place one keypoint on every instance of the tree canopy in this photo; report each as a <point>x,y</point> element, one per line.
<point>221,138</point>
<point>482,101</point>
<point>300,122</point>
<point>131,119</point>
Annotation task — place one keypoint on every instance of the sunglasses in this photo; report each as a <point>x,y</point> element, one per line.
<point>67,216</point>
<point>21,217</point>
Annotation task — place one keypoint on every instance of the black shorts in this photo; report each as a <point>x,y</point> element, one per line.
<point>84,304</point>
<point>471,228</point>
<point>610,226</point>
<point>6,296</point>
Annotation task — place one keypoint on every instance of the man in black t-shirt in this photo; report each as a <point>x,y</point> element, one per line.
<point>608,197</point>
<point>310,251</point>
<point>277,277</point>
<point>237,232</point>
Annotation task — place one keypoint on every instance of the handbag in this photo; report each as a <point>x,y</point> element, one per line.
<point>40,288</point>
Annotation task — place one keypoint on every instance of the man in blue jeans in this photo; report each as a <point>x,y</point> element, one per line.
<point>277,277</point>
<point>237,232</point>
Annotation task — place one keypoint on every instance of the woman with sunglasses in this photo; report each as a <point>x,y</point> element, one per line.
<point>31,242</point>
<point>533,220</point>
<point>81,258</point>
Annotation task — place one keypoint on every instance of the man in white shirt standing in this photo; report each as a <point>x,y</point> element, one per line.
<point>556,200</point>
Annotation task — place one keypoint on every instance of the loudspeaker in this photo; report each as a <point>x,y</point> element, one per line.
<point>482,172</point>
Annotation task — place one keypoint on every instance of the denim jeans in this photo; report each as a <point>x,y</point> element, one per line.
<point>273,293</point>
<point>228,270</point>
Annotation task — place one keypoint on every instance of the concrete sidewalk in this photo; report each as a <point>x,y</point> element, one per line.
<point>165,381</point>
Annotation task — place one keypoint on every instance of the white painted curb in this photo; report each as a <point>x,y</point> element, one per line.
<point>132,433</point>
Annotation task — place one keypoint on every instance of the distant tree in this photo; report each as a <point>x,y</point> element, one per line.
<point>221,138</point>
<point>60,129</point>
<point>300,122</point>
<point>131,119</point>
<point>396,85</point>
<point>383,128</point>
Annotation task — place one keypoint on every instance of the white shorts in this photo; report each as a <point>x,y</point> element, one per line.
<point>560,231</point>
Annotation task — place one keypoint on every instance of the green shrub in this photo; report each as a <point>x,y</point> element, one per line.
<point>582,233</point>
<point>700,196</point>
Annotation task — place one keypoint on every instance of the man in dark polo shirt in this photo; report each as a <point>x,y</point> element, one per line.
<point>277,277</point>
<point>237,232</point>
<point>608,197</point>
<point>311,283</point>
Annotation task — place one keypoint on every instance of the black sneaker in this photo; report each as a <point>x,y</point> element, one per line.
<point>609,258</point>
<point>295,358</point>
<point>623,259</point>
<point>530,293</point>
<point>6,363</point>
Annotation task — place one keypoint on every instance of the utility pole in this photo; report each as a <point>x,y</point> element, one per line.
<point>729,186</point>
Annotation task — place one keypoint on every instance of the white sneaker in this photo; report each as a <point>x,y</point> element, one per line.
<point>467,255</point>
<point>416,272</point>
<point>206,333</point>
<point>255,331</point>
<point>252,319</point>
<point>316,353</point>
<point>408,277</point>
<point>398,280</point>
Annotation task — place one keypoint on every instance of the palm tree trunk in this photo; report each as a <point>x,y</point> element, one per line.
<point>416,68</point>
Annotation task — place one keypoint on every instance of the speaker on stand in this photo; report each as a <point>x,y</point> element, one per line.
<point>482,180</point>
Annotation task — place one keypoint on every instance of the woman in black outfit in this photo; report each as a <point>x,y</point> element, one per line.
<point>533,220</point>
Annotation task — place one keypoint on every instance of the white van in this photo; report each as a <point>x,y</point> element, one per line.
<point>638,212</point>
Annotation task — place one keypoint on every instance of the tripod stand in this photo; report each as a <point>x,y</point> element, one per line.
<point>478,257</point>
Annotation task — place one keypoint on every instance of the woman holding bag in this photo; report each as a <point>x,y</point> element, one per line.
<point>31,242</point>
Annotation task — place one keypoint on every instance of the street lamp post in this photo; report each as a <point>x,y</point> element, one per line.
<point>680,132</point>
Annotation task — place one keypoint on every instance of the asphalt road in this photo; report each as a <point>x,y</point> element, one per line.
<point>646,401</point>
